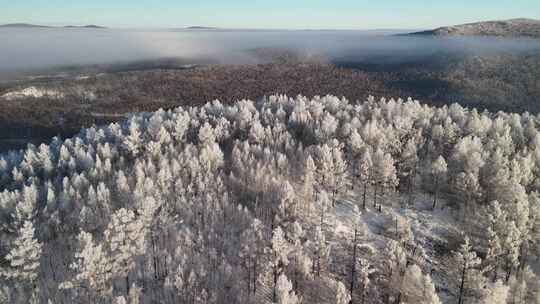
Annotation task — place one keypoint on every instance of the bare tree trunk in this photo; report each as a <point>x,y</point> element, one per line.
<point>127,284</point>
<point>381,200</point>
<point>274,291</point>
<point>462,285</point>
<point>319,263</point>
<point>364,196</point>
<point>295,283</point>
<point>353,264</point>
<point>255,276</point>
<point>363,293</point>
<point>436,192</point>
<point>375,196</point>
<point>248,276</point>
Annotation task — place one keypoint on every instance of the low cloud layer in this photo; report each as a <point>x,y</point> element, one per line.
<point>27,49</point>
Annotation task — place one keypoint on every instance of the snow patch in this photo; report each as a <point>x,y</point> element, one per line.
<point>32,92</point>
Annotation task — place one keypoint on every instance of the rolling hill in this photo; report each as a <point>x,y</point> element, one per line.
<point>502,28</point>
<point>29,25</point>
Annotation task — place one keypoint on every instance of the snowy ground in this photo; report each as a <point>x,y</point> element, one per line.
<point>430,231</point>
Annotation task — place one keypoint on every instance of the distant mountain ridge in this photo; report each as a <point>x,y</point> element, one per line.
<point>503,28</point>
<point>91,26</point>
<point>28,25</point>
<point>24,25</point>
<point>201,28</point>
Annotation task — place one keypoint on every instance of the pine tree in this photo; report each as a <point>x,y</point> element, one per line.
<point>133,140</point>
<point>464,276</point>
<point>495,293</point>
<point>126,238</point>
<point>407,163</point>
<point>438,170</point>
<point>342,296</point>
<point>253,253</point>
<point>279,252</point>
<point>534,223</point>
<point>524,287</point>
<point>364,167</point>
<point>324,204</point>
<point>299,261</point>
<point>393,266</point>
<point>26,209</point>
<point>332,170</point>
<point>418,287</point>
<point>468,189</point>
<point>384,174</point>
<point>93,268</point>
<point>285,294</point>
<point>320,250</point>
<point>23,261</point>
<point>308,188</point>
<point>364,271</point>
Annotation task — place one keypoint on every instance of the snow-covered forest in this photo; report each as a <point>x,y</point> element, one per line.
<point>284,200</point>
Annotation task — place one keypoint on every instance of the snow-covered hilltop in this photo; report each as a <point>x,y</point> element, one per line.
<point>285,200</point>
<point>504,28</point>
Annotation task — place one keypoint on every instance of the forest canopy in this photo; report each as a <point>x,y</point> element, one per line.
<point>283,200</point>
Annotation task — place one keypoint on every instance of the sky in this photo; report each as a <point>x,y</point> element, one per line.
<point>275,14</point>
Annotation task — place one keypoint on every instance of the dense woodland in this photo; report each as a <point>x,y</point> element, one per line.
<point>283,200</point>
<point>104,98</point>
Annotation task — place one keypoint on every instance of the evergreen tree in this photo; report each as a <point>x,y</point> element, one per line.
<point>126,238</point>
<point>418,287</point>
<point>23,261</point>
<point>464,274</point>
<point>342,296</point>
<point>285,294</point>
<point>438,170</point>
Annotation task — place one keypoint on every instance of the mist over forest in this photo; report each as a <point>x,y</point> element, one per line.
<point>42,48</point>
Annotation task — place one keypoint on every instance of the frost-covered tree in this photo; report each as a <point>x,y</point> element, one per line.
<point>279,251</point>
<point>407,163</point>
<point>364,167</point>
<point>392,267</point>
<point>23,261</point>
<point>309,180</point>
<point>438,170</point>
<point>324,204</point>
<point>342,296</point>
<point>300,263</point>
<point>464,275</point>
<point>418,287</point>
<point>126,238</point>
<point>523,287</point>
<point>534,223</point>
<point>332,170</point>
<point>253,251</point>
<point>320,250</point>
<point>384,174</point>
<point>364,271</point>
<point>26,209</point>
<point>469,191</point>
<point>285,294</point>
<point>495,293</point>
<point>93,269</point>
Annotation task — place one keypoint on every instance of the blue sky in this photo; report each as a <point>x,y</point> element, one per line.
<point>292,14</point>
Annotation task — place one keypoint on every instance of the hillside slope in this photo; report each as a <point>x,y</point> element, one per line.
<point>503,28</point>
